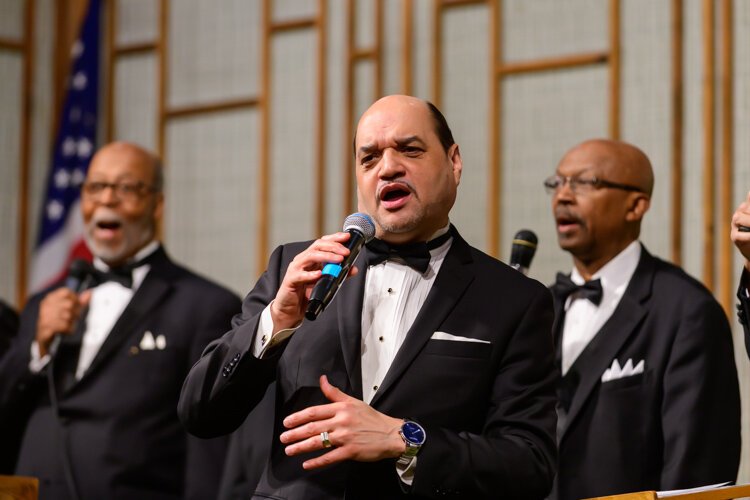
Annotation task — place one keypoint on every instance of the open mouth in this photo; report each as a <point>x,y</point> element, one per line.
<point>566,223</point>
<point>394,195</point>
<point>107,228</point>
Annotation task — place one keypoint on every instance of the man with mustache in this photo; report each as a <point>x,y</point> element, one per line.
<point>431,381</point>
<point>96,376</point>
<point>648,398</point>
<point>741,238</point>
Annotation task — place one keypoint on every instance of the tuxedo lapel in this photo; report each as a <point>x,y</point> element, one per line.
<point>603,348</point>
<point>349,312</point>
<point>145,299</point>
<point>455,275</point>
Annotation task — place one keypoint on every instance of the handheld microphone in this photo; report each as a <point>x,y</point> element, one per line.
<point>361,230</point>
<point>522,251</point>
<point>78,272</point>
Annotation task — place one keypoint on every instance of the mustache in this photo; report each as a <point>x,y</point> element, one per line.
<point>565,214</point>
<point>106,215</point>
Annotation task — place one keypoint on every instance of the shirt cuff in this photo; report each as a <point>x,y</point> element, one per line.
<point>265,340</point>
<point>406,472</point>
<point>37,362</point>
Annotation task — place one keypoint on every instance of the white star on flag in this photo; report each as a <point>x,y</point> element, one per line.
<point>78,176</point>
<point>62,178</point>
<point>55,209</point>
<point>69,146</point>
<point>79,80</point>
<point>84,148</point>
<point>77,49</point>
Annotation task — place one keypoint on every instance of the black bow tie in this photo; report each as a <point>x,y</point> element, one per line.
<point>415,255</point>
<point>564,287</point>
<point>121,274</point>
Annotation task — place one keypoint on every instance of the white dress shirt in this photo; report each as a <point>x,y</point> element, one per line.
<point>108,301</point>
<point>584,319</point>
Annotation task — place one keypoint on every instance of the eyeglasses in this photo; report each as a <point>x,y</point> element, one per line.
<point>581,186</point>
<point>125,191</point>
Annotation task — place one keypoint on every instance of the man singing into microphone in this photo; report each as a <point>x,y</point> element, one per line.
<point>648,397</point>
<point>431,381</point>
<point>107,425</point>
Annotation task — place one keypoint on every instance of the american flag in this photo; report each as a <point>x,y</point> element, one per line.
<point>60,237</point>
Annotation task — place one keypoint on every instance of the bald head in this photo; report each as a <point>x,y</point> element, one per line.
<point>616,161</point>
<point>132,154</point>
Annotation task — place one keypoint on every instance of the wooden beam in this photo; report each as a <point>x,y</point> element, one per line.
<point>494,129</point>
<point>135,48</point>
<point>12,44</point>
<point>553,63</point>
<point>320,129</point>
<point>378,87</point>
<point>677,130</point>
<point>109,70</point>
<point>359,54</point>
<point>264,195</point>
<point>294,24</point>
<point>437,53</point>
<point>614,69</point>
<point>461,3</point>
<point>24,173</point>
<point>709,149</point>
<point>726,253</point>
<point>407,52</point>
<point>350,51</point>
<point>211,107</point>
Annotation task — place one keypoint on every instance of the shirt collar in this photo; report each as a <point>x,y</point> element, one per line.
<point>615,274</point>
<point>140,255</point>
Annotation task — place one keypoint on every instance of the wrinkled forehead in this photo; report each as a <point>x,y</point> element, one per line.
<point>382,124</point>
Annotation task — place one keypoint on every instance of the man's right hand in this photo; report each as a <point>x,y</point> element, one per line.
<point>741,239</point>
<point>58,314</point>
<point>288,308</point>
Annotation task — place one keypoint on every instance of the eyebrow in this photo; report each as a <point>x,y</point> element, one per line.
<point>400,142</point>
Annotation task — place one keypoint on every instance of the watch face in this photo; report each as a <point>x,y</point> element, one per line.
<point>413,432</point>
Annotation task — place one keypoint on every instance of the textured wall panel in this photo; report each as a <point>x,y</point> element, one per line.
<point>214,53</point>
<point>211,196</point>
<point>549,28</point>
<point>11,73</point>
<point>293,124</point>
<point>544,115</point>
<point>137,21</point>
<point>464,103</point>
<point>11,19</point>
<point>285,10</point>
<point>136,99</point>
<point>338,146</point>
<point>646,119</point>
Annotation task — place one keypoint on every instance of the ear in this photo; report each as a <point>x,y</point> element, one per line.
<point>159,206</point>
<point>455,156</point>
<point>638,205</point>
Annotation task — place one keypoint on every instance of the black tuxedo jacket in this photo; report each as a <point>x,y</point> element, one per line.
<point>743,306</point>
<point>487,407</point>
<point>676,425</point>
<point>119,420</point>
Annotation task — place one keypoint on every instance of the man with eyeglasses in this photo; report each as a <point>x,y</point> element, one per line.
<point>741,237</point>
<point>648,394</point>
<point>97,375</point>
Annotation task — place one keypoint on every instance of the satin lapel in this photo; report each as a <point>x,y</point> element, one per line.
<point>455,275</point>
<point>148,296</point>
<point>603,348</point>
<point>348,302</point>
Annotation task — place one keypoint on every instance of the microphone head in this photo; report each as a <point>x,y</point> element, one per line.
<point>523,249</point>
<point>362,223</point>
<point>79,269</point>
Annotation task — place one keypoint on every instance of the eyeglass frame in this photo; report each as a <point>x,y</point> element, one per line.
<point>594,182</point>
<point>123,191</point>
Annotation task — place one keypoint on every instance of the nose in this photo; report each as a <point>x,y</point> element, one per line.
<point>108,196</point>
<point>564,193</point>
<point>390,165</point>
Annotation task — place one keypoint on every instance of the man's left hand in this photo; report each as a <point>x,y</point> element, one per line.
<point>356,431</point>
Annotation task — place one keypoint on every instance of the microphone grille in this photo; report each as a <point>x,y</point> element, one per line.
<point>79,269</point>
<point>362,223</point>
<point>523,249</point>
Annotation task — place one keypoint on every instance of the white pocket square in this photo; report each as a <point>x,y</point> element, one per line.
<point>627,370</point>
<point>456,338</point>
<point>149,343</point>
